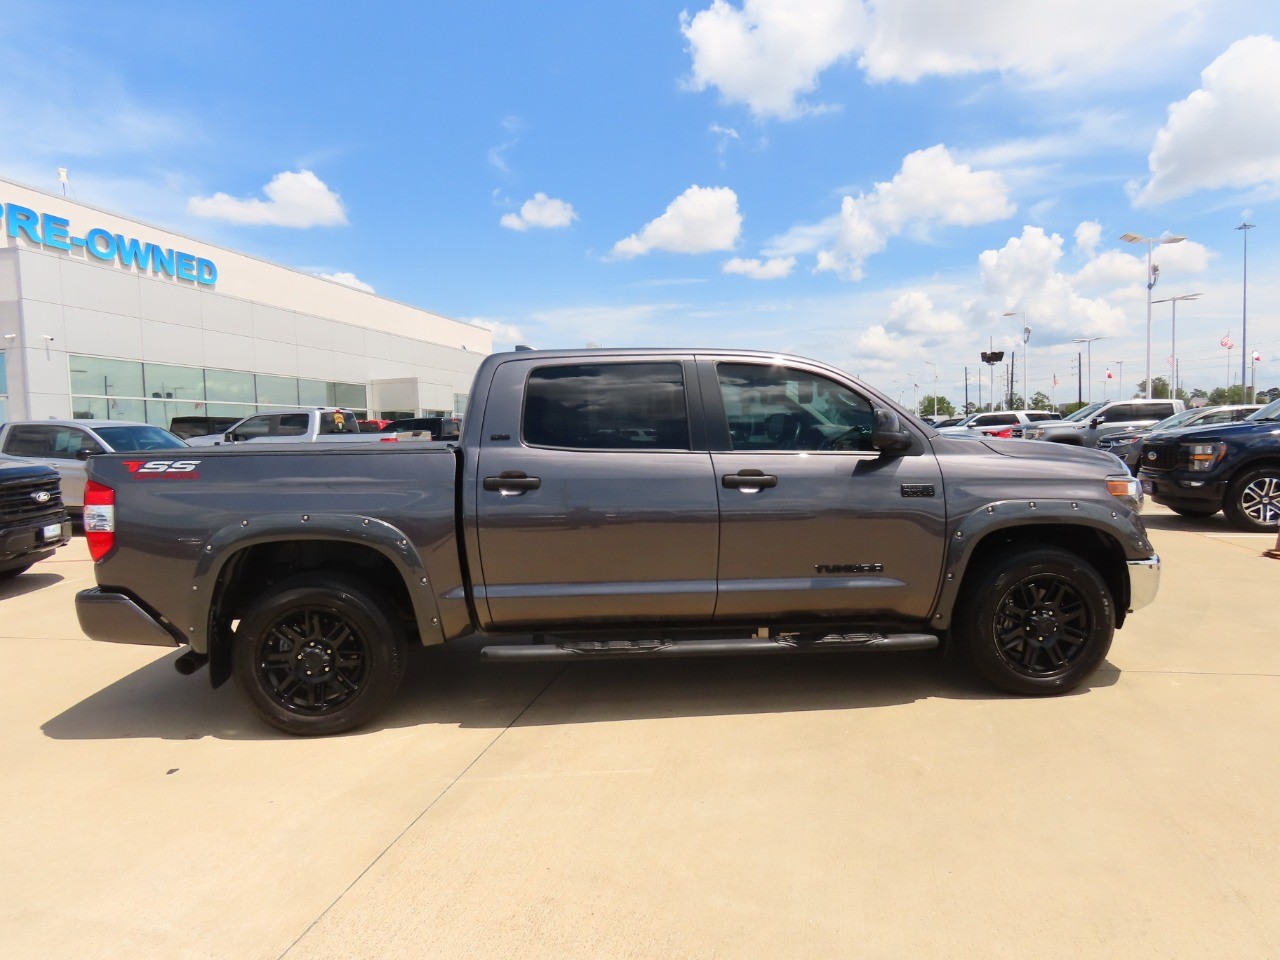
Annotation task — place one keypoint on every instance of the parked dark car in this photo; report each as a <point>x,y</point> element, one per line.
<point>1232,467</point>
<point>188,427</point>
<point>1128,444</point>
<point>33,522</point>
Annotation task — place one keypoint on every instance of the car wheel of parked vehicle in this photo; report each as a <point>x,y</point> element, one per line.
<point>1200,512</point>
<point>1253,500</point>
<point>1035,621</point>
<point>318,655</point>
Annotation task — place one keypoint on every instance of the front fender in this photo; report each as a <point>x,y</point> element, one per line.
<point>1116,523</point>
<point>378,535</point>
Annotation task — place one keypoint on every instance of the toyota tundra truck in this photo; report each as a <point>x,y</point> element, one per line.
<point>632,504</point>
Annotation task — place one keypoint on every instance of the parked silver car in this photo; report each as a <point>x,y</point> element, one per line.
<point>65,445</point>
<point>997,423</point>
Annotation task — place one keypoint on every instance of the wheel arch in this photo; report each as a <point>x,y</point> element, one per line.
<point>1088,530</point>
<point>239,564</point>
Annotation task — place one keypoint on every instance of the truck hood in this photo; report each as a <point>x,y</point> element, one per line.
<point>1220,431</point>
<point>13,469</point>
<point>1055,453</point>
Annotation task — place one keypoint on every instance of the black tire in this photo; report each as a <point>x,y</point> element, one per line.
<point>1198,512</point>
<point>14,571</point>
<point>1252,502</point>
<point>319,654</point>
<point>1035,620</point>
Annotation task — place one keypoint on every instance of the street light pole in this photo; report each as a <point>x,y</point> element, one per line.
<point>1245,386</point>
<point>935,385</point>
<point>1026,335</point>
<point>1120,388</point>
<point>1173,347</point>
<point>1088,341</point>
<point>1153,272</point>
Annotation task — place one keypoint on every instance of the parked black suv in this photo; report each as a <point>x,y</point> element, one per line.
<point>33,523</point>
<point>1232,467</point>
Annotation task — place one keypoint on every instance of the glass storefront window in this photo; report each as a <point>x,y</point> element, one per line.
<point>164,382</point>
<point>4,375</point>
<point>160,413</point>
<point>229,386</point>
<point>351,395</point>
<point>277,391</point>
<point>237,410</point>
<point>107,408</point>
<point>95,376</point>
<point>316,393</point>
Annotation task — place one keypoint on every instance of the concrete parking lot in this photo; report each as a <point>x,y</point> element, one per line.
<point>843,806</point>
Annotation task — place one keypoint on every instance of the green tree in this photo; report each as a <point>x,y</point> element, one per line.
<point>1231,394</point>
<point>945,408</point>
<point>1159,389</point>
<point>1040,402</point>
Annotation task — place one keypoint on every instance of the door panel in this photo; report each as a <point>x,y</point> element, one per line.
<point>835,530</point>
<point>623,530</point>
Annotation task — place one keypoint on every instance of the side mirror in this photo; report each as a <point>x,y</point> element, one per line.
<point>1093,424</point>
<point>83,454</point>
<point>889,435</point>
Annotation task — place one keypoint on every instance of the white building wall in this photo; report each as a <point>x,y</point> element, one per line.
<point>258,317</point>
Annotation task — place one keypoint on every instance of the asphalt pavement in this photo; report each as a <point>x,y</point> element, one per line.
<point>842,806</point>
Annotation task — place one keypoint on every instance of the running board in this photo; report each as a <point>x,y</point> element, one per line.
<point>623,649</point>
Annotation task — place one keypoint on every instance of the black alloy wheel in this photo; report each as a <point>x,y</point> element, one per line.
<point>318,655</point>
<point>1035,620</point>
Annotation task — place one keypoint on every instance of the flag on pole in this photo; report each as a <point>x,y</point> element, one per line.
<point>1226,341</point>
<point>1169,361</point>
<point>1257,357</point>
<point>1055,379</point>
<point>1110,376</point>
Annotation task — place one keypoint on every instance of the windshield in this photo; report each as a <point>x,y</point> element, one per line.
<point>1270,412</point>
<point>133,439</point>
<point>1084,413</point>
<point>1178,418</point>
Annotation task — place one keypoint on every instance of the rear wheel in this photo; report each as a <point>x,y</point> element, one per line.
<point>1253,500</point>
<point>319,654</point>
<point>1035,621</point>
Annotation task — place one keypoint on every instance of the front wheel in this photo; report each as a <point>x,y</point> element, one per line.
<point>1253,501</point>
<point>1035,621</point>
<point>319,654</point>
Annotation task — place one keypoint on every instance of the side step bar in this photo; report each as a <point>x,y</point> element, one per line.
<point>625,649</point>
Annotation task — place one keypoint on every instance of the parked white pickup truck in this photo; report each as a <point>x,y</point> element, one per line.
<point>318,424</point>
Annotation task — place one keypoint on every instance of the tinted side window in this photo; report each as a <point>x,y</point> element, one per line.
<point>778,408</point>
<point>339,421</point>
<point>292,425</point>
<point>1156,411</point>
<point>254,427</point>
<point>68,441</point>
<point>1041,415</point>
<point>607,406</point>
<point>28,441</point>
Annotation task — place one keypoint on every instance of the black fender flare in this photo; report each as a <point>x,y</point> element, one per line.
<point>386,539</point>
<point>1120,525</point>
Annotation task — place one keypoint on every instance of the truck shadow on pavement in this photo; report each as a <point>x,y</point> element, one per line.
<point>454,688</point>
<point>28,583</point>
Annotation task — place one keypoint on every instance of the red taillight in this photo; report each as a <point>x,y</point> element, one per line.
<point>1006,433</point>
<point>99,518</point>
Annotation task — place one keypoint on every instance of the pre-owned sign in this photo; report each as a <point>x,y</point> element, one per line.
<point>49,230</point>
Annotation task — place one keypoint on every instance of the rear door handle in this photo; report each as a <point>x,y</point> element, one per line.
<point>748,481</point>
<point>511,483</point>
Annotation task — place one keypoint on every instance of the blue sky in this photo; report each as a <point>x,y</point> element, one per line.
<point>870,184</point>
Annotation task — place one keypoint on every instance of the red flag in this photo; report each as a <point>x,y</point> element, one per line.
<point>1257,357</point>
<point>1226,341</point>
<point>1109,376</point>
<point>1055,379</point>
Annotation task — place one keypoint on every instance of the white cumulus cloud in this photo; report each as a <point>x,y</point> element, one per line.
<point>541,211</point>
<point>293,200</point>
<point>700,220</point>
<point>930,190</point>
<point>774,269</point>
<point>769,52</point>
<point>347,280</point>
<point>1225,134</point>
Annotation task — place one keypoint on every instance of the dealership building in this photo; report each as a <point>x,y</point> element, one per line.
<point>107,317</point>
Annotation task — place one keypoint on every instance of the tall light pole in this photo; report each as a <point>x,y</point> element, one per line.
<point>1244,229</point>
<point>1152,274</point>
<point>1026,335</point>
<point>1173,346</point>
<point>930,363</point>
<point>1089,341</point>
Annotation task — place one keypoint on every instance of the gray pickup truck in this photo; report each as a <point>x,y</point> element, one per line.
<point>618,504</point>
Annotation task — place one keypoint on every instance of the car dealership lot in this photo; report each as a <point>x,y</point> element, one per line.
<point>877,806</point>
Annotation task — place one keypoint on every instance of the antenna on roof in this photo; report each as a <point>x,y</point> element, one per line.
<point>62,179</point>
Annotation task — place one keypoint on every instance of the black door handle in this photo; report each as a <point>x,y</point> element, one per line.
<point>749,480</point>
<point>512,481</point>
